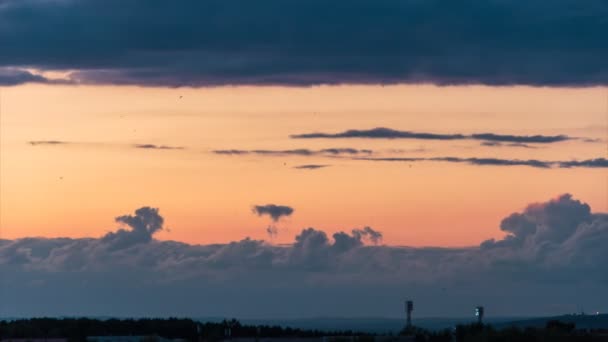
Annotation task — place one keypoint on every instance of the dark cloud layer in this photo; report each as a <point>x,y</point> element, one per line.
<point>276,212</point>
<point>301,43</point>
<point>590,163</point>
<point>388,133</point>
<point>551,261</point>
<point>297,152</point>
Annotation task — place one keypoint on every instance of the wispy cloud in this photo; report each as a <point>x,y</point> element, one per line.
<point>388,133</point>
<point>47,142</point>
<point>97,144</point>
<point>158,147</point>
<point>297,152</point>
<point>500,144</point>
<point>311,166</point>
<point>598,162</point>
<point>591,163</point>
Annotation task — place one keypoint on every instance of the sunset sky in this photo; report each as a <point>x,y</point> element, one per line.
<point>74,189</point>
<point>294,155</point>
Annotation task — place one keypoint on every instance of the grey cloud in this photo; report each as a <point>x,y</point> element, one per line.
<point>276,212</point>
<point>388,133</point>
<point>591,163</point>
<point>541,43</point>
<point>158,147</point>
<point>550,249</point>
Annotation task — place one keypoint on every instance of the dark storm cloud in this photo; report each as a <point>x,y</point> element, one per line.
<point>302,43</point>
<point>590,163</point>
<point>158,147</point>
<point>297,152</point>
<point>550,249</point>
<point>388,133</point>
<point>276,212</point>
<point>310,166</point>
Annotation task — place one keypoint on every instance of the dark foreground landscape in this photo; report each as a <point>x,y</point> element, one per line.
<point>177,329</point>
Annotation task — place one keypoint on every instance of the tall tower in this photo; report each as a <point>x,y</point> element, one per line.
<point>479,314</point>
<point>409,307</point>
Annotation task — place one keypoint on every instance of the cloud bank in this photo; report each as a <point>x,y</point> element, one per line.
<point>295,43</point>
<point>551,260</point>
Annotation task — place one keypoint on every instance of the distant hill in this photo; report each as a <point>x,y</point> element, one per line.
<point>378,325</point>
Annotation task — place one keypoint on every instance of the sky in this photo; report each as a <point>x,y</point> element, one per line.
<point>297,159</point>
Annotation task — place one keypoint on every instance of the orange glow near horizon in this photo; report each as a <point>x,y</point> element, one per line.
<point>76,189</point>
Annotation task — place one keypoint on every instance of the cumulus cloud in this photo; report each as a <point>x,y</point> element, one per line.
<point>551,260</point>
<point>296,152</point>
<point>367,232</point>
<point>543,43</point>
<point>388,133</point>
<point>590,163</point>
<point>276,212</point>
<point>143,225</point>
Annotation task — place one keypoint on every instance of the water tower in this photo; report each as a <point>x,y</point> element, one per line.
<point>409,307</point>
<point>479,314</point>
